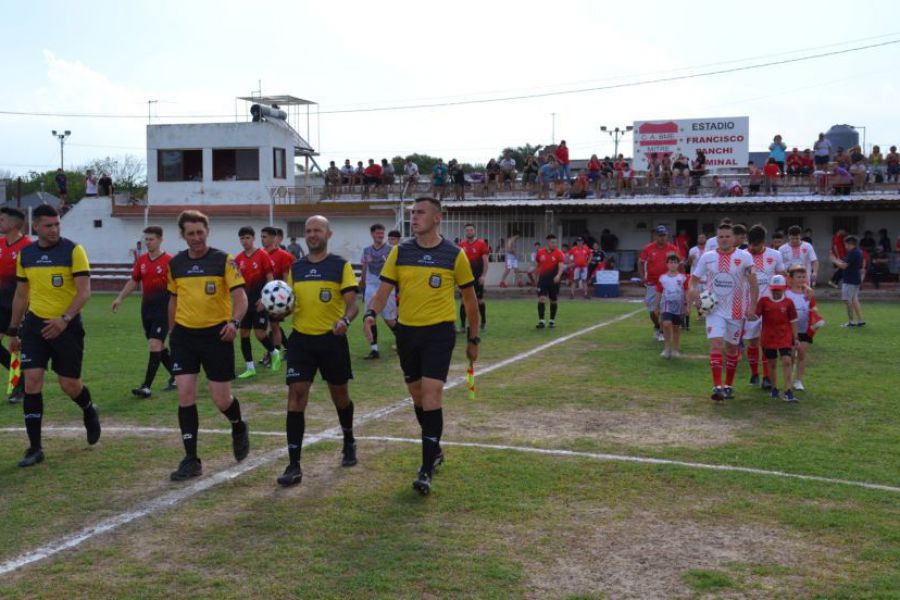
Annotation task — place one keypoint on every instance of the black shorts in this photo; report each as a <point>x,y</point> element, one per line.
<point>821,160</point>
<point>66,351</point>
<point>328,354</point>
<point>676,320</point>
<point>776,352</point>
<point>425,351</point>
<point>195,348</point>
<point>255,319</point>
<point>804,337</point>
<point>547,287</point>
<point>479,289</point>
<point>156,321</point>
<point>5,319</point>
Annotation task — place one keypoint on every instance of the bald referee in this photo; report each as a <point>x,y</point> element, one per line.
<point>427,268</point>
<point>206,306</point>
<point>325,289</point>
<point>54,284</point>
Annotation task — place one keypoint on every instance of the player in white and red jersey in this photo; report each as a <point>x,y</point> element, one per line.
<point>798,252</point>
<point>729,275</point>
<point>767,263</point>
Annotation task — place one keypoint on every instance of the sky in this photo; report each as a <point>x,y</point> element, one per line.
<point>194,57</point>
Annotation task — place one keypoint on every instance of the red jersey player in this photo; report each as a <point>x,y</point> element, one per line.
<point>11,222</point>
<point>257,270</point>
<point>477,252</point>
<point>281,265</point>
<point>652,264</point>
<point>151,271</point>
<point>779,333</point>
<point>767,263</point>
<point>550,263</point>
<point>727,271</point>
<point>580,255</point>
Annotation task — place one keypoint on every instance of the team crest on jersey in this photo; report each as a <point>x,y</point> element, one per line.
<point>56,280</point>
<point>325,295</point>
<point>737,262</point>
<point>210,288</point>
<point>770,260</point>
<point>435,280</point>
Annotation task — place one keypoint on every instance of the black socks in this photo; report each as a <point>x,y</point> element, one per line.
<point>482,309</point>
<point>246,350</point>
<point>152,366</point>
<point>553,307</point>
<point>233,414</point>
<point>295,425</point>
<point>33,407</point>
<point>432,428</point>
<point>345,416</point>
<point>189,423</point>
<point>83,400</point>
<point>541,308</point>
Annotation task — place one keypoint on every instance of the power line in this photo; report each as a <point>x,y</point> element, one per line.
<point>532,96</point>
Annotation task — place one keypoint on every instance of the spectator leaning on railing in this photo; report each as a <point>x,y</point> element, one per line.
<point>777,152</point>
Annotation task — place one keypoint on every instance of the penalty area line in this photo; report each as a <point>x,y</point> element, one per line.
<point>177,496</point>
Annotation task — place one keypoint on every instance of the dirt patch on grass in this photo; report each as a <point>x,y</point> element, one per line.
<point>641,428</point>
<point>647,554</point>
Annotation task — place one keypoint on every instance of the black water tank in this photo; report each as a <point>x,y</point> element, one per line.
<point>261,111</point>
<point>842,136</point>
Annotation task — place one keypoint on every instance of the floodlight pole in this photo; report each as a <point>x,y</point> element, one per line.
<point>616,134</point>
<point>62,143</point>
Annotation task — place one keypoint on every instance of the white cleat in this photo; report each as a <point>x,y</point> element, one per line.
<point>665,353</point>
<point>798,385</point>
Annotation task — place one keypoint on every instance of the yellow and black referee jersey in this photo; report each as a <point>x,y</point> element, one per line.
<point>426,279</point>
<point>50,274</point>
<point>318,289</point>
<point>203,286</point>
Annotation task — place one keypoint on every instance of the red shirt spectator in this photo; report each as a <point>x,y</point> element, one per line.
<point>562,154</point>
<point>777,316</point>
<point>374,171</point>
<point>771,170</point>
<point>682,242</point>
<point>653,258</point>
<point>837,245</point>
<point>795,160</point>
<point>580,255</point>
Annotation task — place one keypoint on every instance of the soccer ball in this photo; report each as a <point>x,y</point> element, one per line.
<point>707,302</point>
<point>278,298</point>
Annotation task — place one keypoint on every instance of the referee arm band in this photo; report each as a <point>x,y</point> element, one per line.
<point>369,313</point>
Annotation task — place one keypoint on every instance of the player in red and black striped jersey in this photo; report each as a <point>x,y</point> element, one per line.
<point>282,260</point>
<point>257,270</point>
<point>151,271</point>
<point>11,222</point>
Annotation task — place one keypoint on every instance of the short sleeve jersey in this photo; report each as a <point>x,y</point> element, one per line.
<point>777,316</point>
<point>319,289</point>
<point>804,254</point>
<point>725,274</point>
<point>671,289</point>
<point>766,264</point>
<point>254,269</point>
<point>580,256</point>
<point>281,262</point>
<point>9,254</point>
<point>426,278</point>
<point>474,250</point>
<point>373,260</point>
<point>654,259</point>
<point>203,286</point>
<point>803,303</point>
<point>153,275</point>
<point>50,274</point>
<point>547,262</point>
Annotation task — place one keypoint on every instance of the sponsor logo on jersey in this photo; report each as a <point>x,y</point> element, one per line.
<point>723,284</point>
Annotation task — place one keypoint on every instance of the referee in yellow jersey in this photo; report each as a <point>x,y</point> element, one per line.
<point>325,290</point>
<point>427,269</point>
<point>54,283</point>
<point>206,306</point>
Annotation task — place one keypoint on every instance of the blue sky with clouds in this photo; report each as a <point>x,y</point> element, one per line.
<point>195,57</point>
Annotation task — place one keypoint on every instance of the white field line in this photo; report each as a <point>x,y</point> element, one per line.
<point>172,498</point>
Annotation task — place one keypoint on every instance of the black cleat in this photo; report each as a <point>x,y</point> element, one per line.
<point>438,460</point>
<point>718,394</point>
<point>540,324</point>
<point>32,457</point>
<point>348,455</point>
<point>292,475</point>
<point>754,380</point>
<point>189,466</point>
<point>729,392</point>
<point>92,424</point>
<point>766,383</point>
<point>422,484</point>
<point>240,442</point>
<point>266,360</point>
<point>552,323</point>
<point>371,355</point>
<point>142,391</point>
<point>170,385</point>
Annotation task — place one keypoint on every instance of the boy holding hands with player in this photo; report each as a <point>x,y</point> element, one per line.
<point>670,305</point>
<point>779,334</point>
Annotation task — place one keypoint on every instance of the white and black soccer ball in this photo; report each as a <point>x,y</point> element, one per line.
<point>707,302</point>
<point>278,298</point>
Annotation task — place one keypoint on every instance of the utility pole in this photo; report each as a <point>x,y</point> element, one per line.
<point>62,143</point>
<point>616,134</point>
<point>149,104</point>
<point>553,128</point>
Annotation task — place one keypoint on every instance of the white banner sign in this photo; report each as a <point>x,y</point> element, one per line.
<point>724,141</point>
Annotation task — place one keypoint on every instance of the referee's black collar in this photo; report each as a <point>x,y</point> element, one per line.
<point>421,247</point>
<point>38,244</point>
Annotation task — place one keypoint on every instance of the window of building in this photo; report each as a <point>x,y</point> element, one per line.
<point>235,164</point>
<point>849,223</point>
<point>279,163</point>
<point>179,165</point>
<point>572,228</point>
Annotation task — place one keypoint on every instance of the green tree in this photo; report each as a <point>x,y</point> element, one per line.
<point>520,152</point>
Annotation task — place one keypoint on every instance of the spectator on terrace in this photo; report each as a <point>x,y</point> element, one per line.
<point>777,152</point>
<point>492,172</point>
<point>508,171</point>
<point>90,184</point>
<point>581,186</point>
<point>771,172</point>
<point>755,178</point>
<point>458,177</point>
<point>842,158</point>
<point>680,170</point>
<point>411,177</point>
<point>794,165</point>
<point>893,164</point>
<point>562,158</point>
<point>332,180</point>
<point>857,168</point>
<point>547,174</point>
<point>841,180</point>
<point>388,175</point>
<point>371,177</point>
<point>439,174</point>
<point>347,173</point>
<point>876,164</point>
<point>105,184</point>
<point>529,173</point>
<point>822,151</point>
<point>359,174</point>
<point>62,186</point>
<point>719,187</point>
<point>665,173</point>
<point>625,179</point>
<point>593,173</point>
<point>806,163</point>
<point>698,170</point>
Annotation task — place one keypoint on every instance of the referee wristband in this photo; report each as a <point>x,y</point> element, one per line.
<point>369,313</point>
<point>346,321</point>
<point>13,332</point>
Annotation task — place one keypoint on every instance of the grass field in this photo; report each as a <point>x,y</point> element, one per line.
<point>512,513</point>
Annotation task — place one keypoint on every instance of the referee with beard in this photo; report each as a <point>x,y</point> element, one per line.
<point>427,269</point>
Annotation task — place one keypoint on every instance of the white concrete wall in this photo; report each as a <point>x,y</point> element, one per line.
<point>263,135</point>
